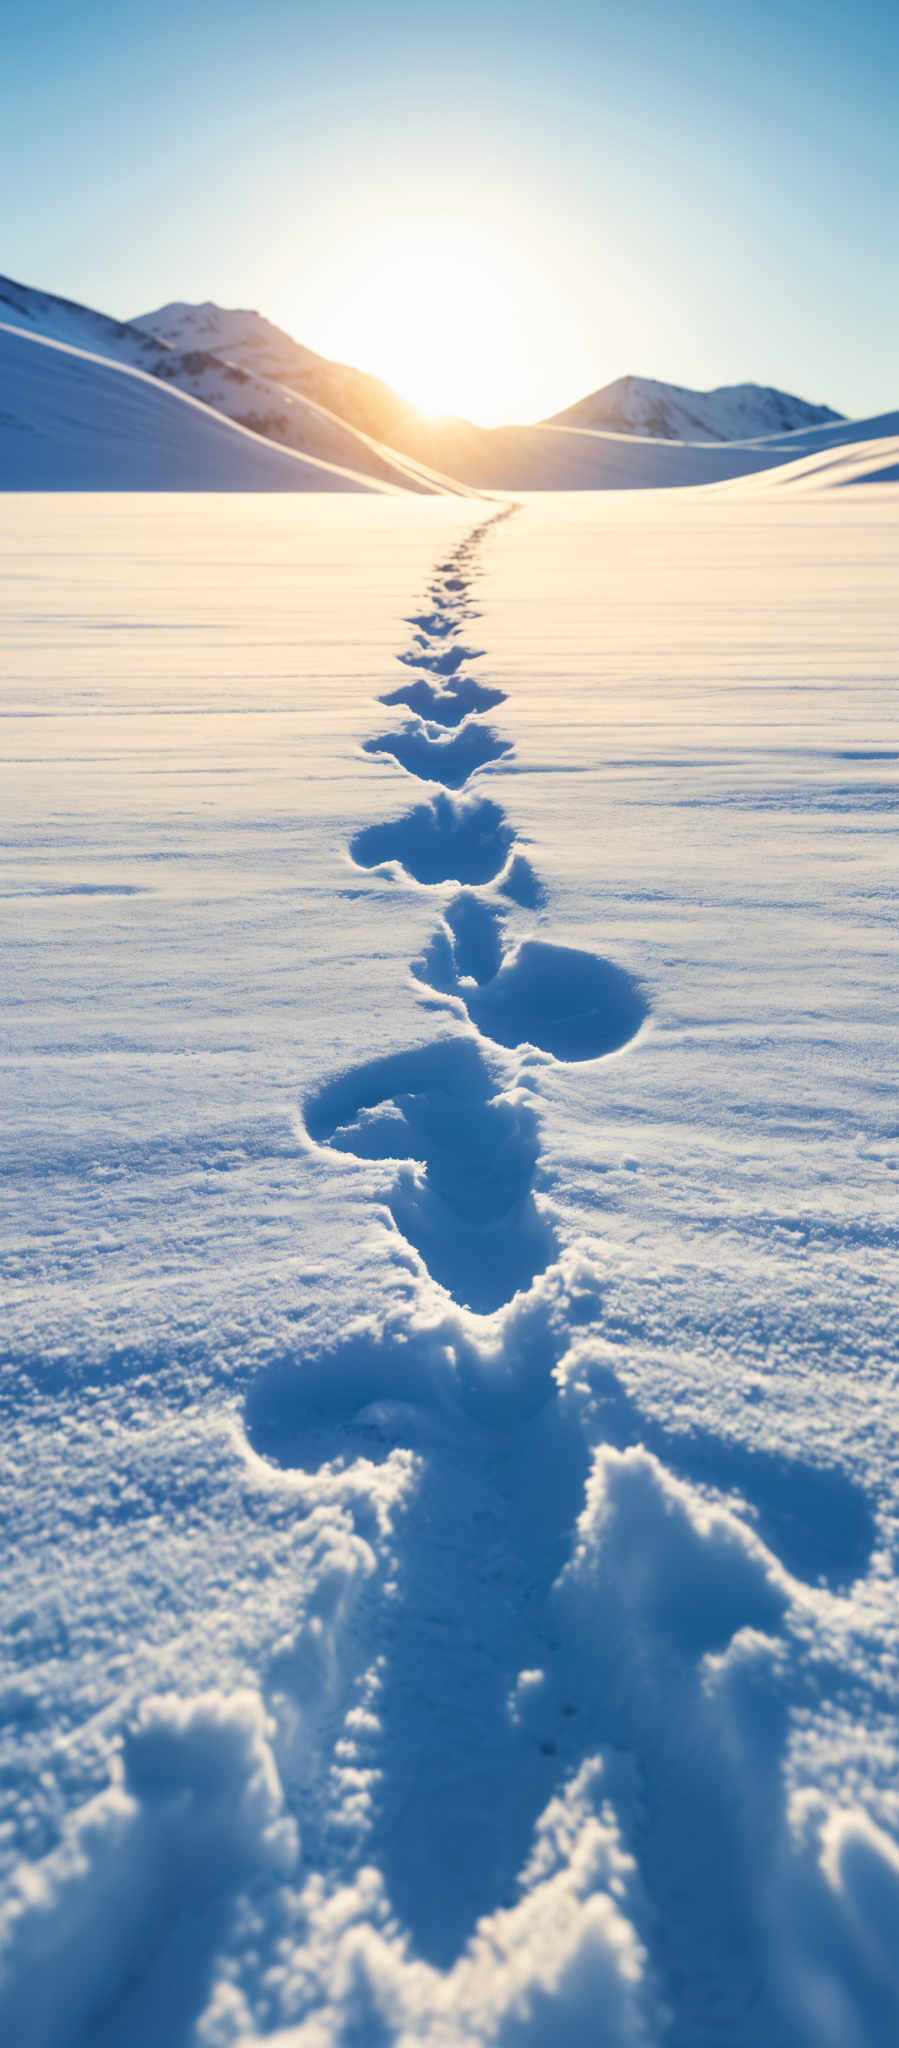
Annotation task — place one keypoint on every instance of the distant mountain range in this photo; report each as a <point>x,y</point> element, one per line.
<point>632,405</point>
<point>669,412</point>
<point>199,397</point>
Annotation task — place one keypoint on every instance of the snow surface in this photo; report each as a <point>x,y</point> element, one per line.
<point>75,421</point>
<point>862,461</point>
<point>734,412</point>
<point>449,1373</point>
<point>553,458</point>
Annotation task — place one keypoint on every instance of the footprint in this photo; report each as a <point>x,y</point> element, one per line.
<point>358,1399</point>
<point>569,1003</point>
<point>486,1530</point>
<point>434,758</point>
<point>437,625</point>
<point>521,885</point>
<point>444,663</point>
<point>814,1517</point>
<point>446,840</point>
<point>471,1215</point>
<point>448,706</point>
<point>476,930</point>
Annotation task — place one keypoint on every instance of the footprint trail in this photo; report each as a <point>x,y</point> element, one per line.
<point>476,1142</point>
<point>575,1585</point>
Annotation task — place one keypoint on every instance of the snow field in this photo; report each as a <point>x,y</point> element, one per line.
<point>499,1456</point>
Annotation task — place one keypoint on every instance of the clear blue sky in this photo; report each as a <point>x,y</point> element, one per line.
<point>705,193</point>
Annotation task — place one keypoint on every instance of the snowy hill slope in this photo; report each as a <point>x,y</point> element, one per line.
<point>256,376</point>
<point>256,345</point>
<point>23,306</point>
<point>671,412</point>
<point>74,421</point>
<point>244,395</point>
<point>546,458</point>
<point>856,462</point>
<point>637,434</point>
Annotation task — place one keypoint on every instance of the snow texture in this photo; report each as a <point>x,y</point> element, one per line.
<point>448,1378</point>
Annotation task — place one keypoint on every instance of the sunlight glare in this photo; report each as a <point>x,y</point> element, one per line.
<point>449,311</point>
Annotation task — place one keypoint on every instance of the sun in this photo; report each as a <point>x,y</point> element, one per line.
<point>450,311</point>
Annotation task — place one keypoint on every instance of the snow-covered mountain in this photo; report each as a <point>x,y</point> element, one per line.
<point>671,412</point>
<point>256,346</point>
<point>73,421</point>
<point>243,394</point>
<point>637,406</point>
<point>243,370</point>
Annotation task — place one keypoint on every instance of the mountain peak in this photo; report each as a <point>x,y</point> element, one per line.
<point>674,412</point>
<point>236,332</point>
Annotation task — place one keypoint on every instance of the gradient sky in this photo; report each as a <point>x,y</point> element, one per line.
<point>694,192</point>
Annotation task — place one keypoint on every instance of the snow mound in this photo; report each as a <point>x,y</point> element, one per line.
<point>136,1895</point>
<point>866,461</point>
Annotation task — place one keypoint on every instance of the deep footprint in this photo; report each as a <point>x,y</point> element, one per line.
<point>447,840</point>
<point>444,663</point>
<point>486,1532</point>
<point>472,1216</point>
<point>434,758</point>
<point>569,1003</point>
<point>449,706</point>
<point>475,929</point>
<point>522,885</point>
<point>435,624</point>
<point>814,1517</point>
<point>359,1399</point>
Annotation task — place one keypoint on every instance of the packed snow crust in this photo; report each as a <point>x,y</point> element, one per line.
<point>449,1401</point>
